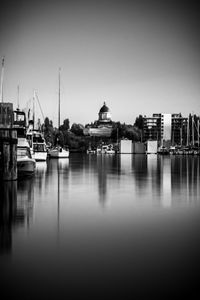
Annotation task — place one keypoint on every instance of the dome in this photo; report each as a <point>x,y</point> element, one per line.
<point>104,108</point>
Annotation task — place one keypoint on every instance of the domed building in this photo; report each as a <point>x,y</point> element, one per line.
<point>103,126</point>
<point>104,115</point>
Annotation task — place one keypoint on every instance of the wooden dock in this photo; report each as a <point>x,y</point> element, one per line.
<point>8,143</point>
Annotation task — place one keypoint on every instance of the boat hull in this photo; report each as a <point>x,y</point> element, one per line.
<point>40,156</point>
<point>26,166</point>
<point>55,153</point>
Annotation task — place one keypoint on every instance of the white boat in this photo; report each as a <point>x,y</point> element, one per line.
<point>89,151</point>
<point>110,151</point>
<point>25,163</point>
<point>58,152</point>
<point>37,145</point>
<point>106,149</point>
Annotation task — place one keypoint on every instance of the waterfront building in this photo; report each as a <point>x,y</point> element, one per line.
<point>168,128</point>
<point>152,127</point>
<point>103,126</point>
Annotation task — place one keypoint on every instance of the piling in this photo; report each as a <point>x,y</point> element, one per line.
<point>8,143</point>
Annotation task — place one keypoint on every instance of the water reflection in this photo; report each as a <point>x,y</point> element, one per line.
<point>152,180</point>
<point>185,180</point>
<point>62,168</point>
<point>66,241</point>
<point>16,208</point>
<point>108,167</point>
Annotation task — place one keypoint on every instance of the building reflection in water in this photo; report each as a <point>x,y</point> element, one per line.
<point>158,180</point>
<point>108,166</point>
<point>185,179</point>
<point>166,181</point>
<point>16,208</point>
<point>170,180</point>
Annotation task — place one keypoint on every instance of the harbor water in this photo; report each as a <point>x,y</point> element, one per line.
<point>102,226</point>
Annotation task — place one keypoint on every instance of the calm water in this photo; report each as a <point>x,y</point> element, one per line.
<point>103,226</point>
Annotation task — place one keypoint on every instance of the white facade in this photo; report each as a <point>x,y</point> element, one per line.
<point>126,146</point>
<point>166,127</point>
<point>100,131</point>
<point>152,147</point>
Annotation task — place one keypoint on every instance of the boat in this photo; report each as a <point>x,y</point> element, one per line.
<point>35,136</point>
<point>90,150</point>
<point>25,163</point>
<point>163,150</point>
<point>37,144</point>
<point>172,150</point>
<point>106,149</point>
<point>58,151</point>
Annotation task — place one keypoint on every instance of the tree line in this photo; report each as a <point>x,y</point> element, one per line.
<point>73,137</point>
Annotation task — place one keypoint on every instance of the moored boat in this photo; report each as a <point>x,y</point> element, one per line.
<point>25,163</point>
<point>106,149</point>
<point>37,145</point>
<point>90,151</point>
<point>58,152</point>
<point>163,150</point>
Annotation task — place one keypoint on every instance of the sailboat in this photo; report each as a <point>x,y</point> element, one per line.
<point>36,139</point>
<point>25,162</point>
<point>58,151</point>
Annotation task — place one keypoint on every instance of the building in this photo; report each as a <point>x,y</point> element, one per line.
<point>102,127</point>
<point>152,127</point>
<point>179,129</point>
<point>165,128</point>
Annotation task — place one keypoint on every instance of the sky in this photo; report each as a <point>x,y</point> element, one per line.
<point>139,56</point>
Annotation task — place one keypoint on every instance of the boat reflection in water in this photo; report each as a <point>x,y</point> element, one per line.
<point>102,226</point>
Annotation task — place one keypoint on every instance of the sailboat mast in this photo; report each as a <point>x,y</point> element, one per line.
<point>193,130</point>
<point>33,109</point>
<point>18,96</point>
<point>2,75</point>
<point>59,99</point>
<point>188,126</point>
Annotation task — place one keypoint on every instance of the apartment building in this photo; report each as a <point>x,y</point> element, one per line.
<point>165,127</point>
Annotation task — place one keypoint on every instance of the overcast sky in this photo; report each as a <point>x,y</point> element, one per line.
<point>140,57</point>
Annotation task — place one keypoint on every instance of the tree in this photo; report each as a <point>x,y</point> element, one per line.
<point>139,122</point>
<point>77,129</point>
<point>65,125</point>
<point>48,130</point>
<point>125,131</point>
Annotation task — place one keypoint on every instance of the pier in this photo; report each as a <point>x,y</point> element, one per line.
<point>8,143</point>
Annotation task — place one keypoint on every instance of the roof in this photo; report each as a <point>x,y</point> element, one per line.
<point>104,108</point>
<point>22,142</point>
